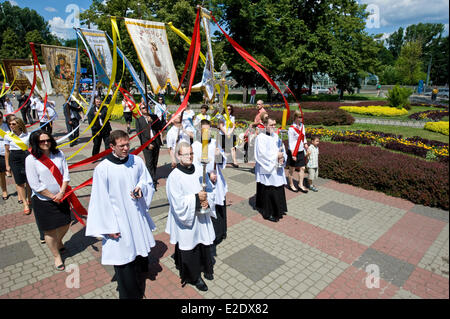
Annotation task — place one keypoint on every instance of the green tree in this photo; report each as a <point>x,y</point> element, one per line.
<point>409,64</point>
<point>395,42</point>
<point>22,21</point>
<point>12,47</point>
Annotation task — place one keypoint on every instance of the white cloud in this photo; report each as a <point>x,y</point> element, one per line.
<point>405,12</point>
<point>50,9</point>
<point>59,28</point>
<point>13,3</point>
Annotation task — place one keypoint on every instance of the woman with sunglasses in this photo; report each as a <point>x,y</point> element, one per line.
<point>16,145</point>
<point>52,214</point>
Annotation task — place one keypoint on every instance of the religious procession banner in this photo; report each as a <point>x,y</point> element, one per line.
<point>60,62</point>
<point>98,43</point>
<point>152,47</point>
<point>41,88</point>
<point>21,82</point>
<point>208,71</point>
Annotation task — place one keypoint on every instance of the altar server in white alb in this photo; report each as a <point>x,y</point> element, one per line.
<point>216,163</point>
<point>122,190</point>
<point>270,157</point>
<point>189,226</point>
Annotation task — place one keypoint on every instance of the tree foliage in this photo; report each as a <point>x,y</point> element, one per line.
<point>18,26</point>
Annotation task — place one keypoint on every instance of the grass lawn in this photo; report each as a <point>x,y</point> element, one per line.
<point>404,131</point>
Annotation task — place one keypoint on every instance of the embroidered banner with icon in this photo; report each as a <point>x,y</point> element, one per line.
<point>21,83</point>
<point>60,62</point>
<point>40,88</point>
<point>152,47</point>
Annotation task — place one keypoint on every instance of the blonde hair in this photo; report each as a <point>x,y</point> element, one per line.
<point>20,123</point>
<point>264,118</point>
<point>297,114</point>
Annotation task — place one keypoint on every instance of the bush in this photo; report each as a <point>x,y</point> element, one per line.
<point>429,115</point>
<point>328,118</point>
<point>440,127</point>
<point>398,175</point>
<point>375,110</point>
<point>323,106</point>
<point>398,97</point>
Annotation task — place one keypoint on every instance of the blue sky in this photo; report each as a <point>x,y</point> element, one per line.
<point>388,15</point>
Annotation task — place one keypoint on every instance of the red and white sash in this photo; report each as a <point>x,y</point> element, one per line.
<point>299,140</point>
<point>75,204</point>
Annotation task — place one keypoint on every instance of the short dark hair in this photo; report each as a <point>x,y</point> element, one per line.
<point>205,122</point>
<point>204,106</point>
<point>34,143</point>
<point>314,137</point>
<point>117,134</point>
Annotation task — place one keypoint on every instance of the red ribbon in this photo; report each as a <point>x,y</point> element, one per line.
<point>254,63</point>
<point>299,140</point>
<point>77,208</point>
<point>195,48</point>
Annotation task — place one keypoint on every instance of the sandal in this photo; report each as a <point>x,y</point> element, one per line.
<point>5,197</point>
<point>60,267</point>
<point>20,201</point>
<point>27,211</point>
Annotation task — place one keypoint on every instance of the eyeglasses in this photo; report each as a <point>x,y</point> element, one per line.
<point>44,141</point>
<point>187,154</point>
<point>12,124</point>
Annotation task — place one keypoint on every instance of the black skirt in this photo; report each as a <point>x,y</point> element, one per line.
<point>127,116</point>
<point>50,215</point>
<point>300,162</point>
<point>220,223</point>
<point>259,196</point>
<point>2,164</point>
<point>272,201</point>
<point>191,263</point>
<point>17,164</point>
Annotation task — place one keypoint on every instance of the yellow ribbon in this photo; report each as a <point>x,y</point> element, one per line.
<point>115,33</point>
<point>227,115</point>
<point>185,38</point>
<point>4,81</point>
<point>15,139</point>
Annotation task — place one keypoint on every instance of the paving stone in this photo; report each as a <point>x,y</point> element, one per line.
<point>15,253</point>
<point>244,178</point>
<point>391,269</point>
<point>339,210</point>
<point>432,212</point>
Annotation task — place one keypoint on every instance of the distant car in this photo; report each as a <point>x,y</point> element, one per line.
<point>443,93</point>
<point>320,90</point>
<point>304,90</point>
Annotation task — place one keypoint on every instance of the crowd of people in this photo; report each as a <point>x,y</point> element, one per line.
<point>123,184</point>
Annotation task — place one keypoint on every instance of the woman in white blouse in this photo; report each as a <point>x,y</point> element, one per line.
<point>16,145</point>
<point>52,214</point>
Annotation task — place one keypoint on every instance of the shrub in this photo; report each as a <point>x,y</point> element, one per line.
<point>398,175</point>
<point>334,117</point>
<point>440,127</point>
<point>375,110</point>
<point>398,97</point>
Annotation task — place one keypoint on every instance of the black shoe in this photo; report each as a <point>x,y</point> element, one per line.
<point>272,219</point>
<point>302,190</point>
<point>200,285</point>
<point>234,165</point>
<point>209,276</point>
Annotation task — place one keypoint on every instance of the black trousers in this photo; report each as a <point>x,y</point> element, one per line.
<point>48,128</point>
<point>26,115</point>
<point>191,263</point>
<point>102,136</point>
<point>130,283</point>
<point>151,161</point>
<point>71,127</point>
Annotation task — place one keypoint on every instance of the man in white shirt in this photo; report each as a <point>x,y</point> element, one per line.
<point>122,191</point>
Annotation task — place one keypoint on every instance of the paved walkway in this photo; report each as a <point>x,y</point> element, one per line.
<point>321,249</point>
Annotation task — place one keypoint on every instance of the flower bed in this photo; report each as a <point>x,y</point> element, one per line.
<point>440,127</point>
<point>375,110</point>
<point>372,168</point>
<point>414,145</point>
<point>429,115</point>
<point>333,117</point>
